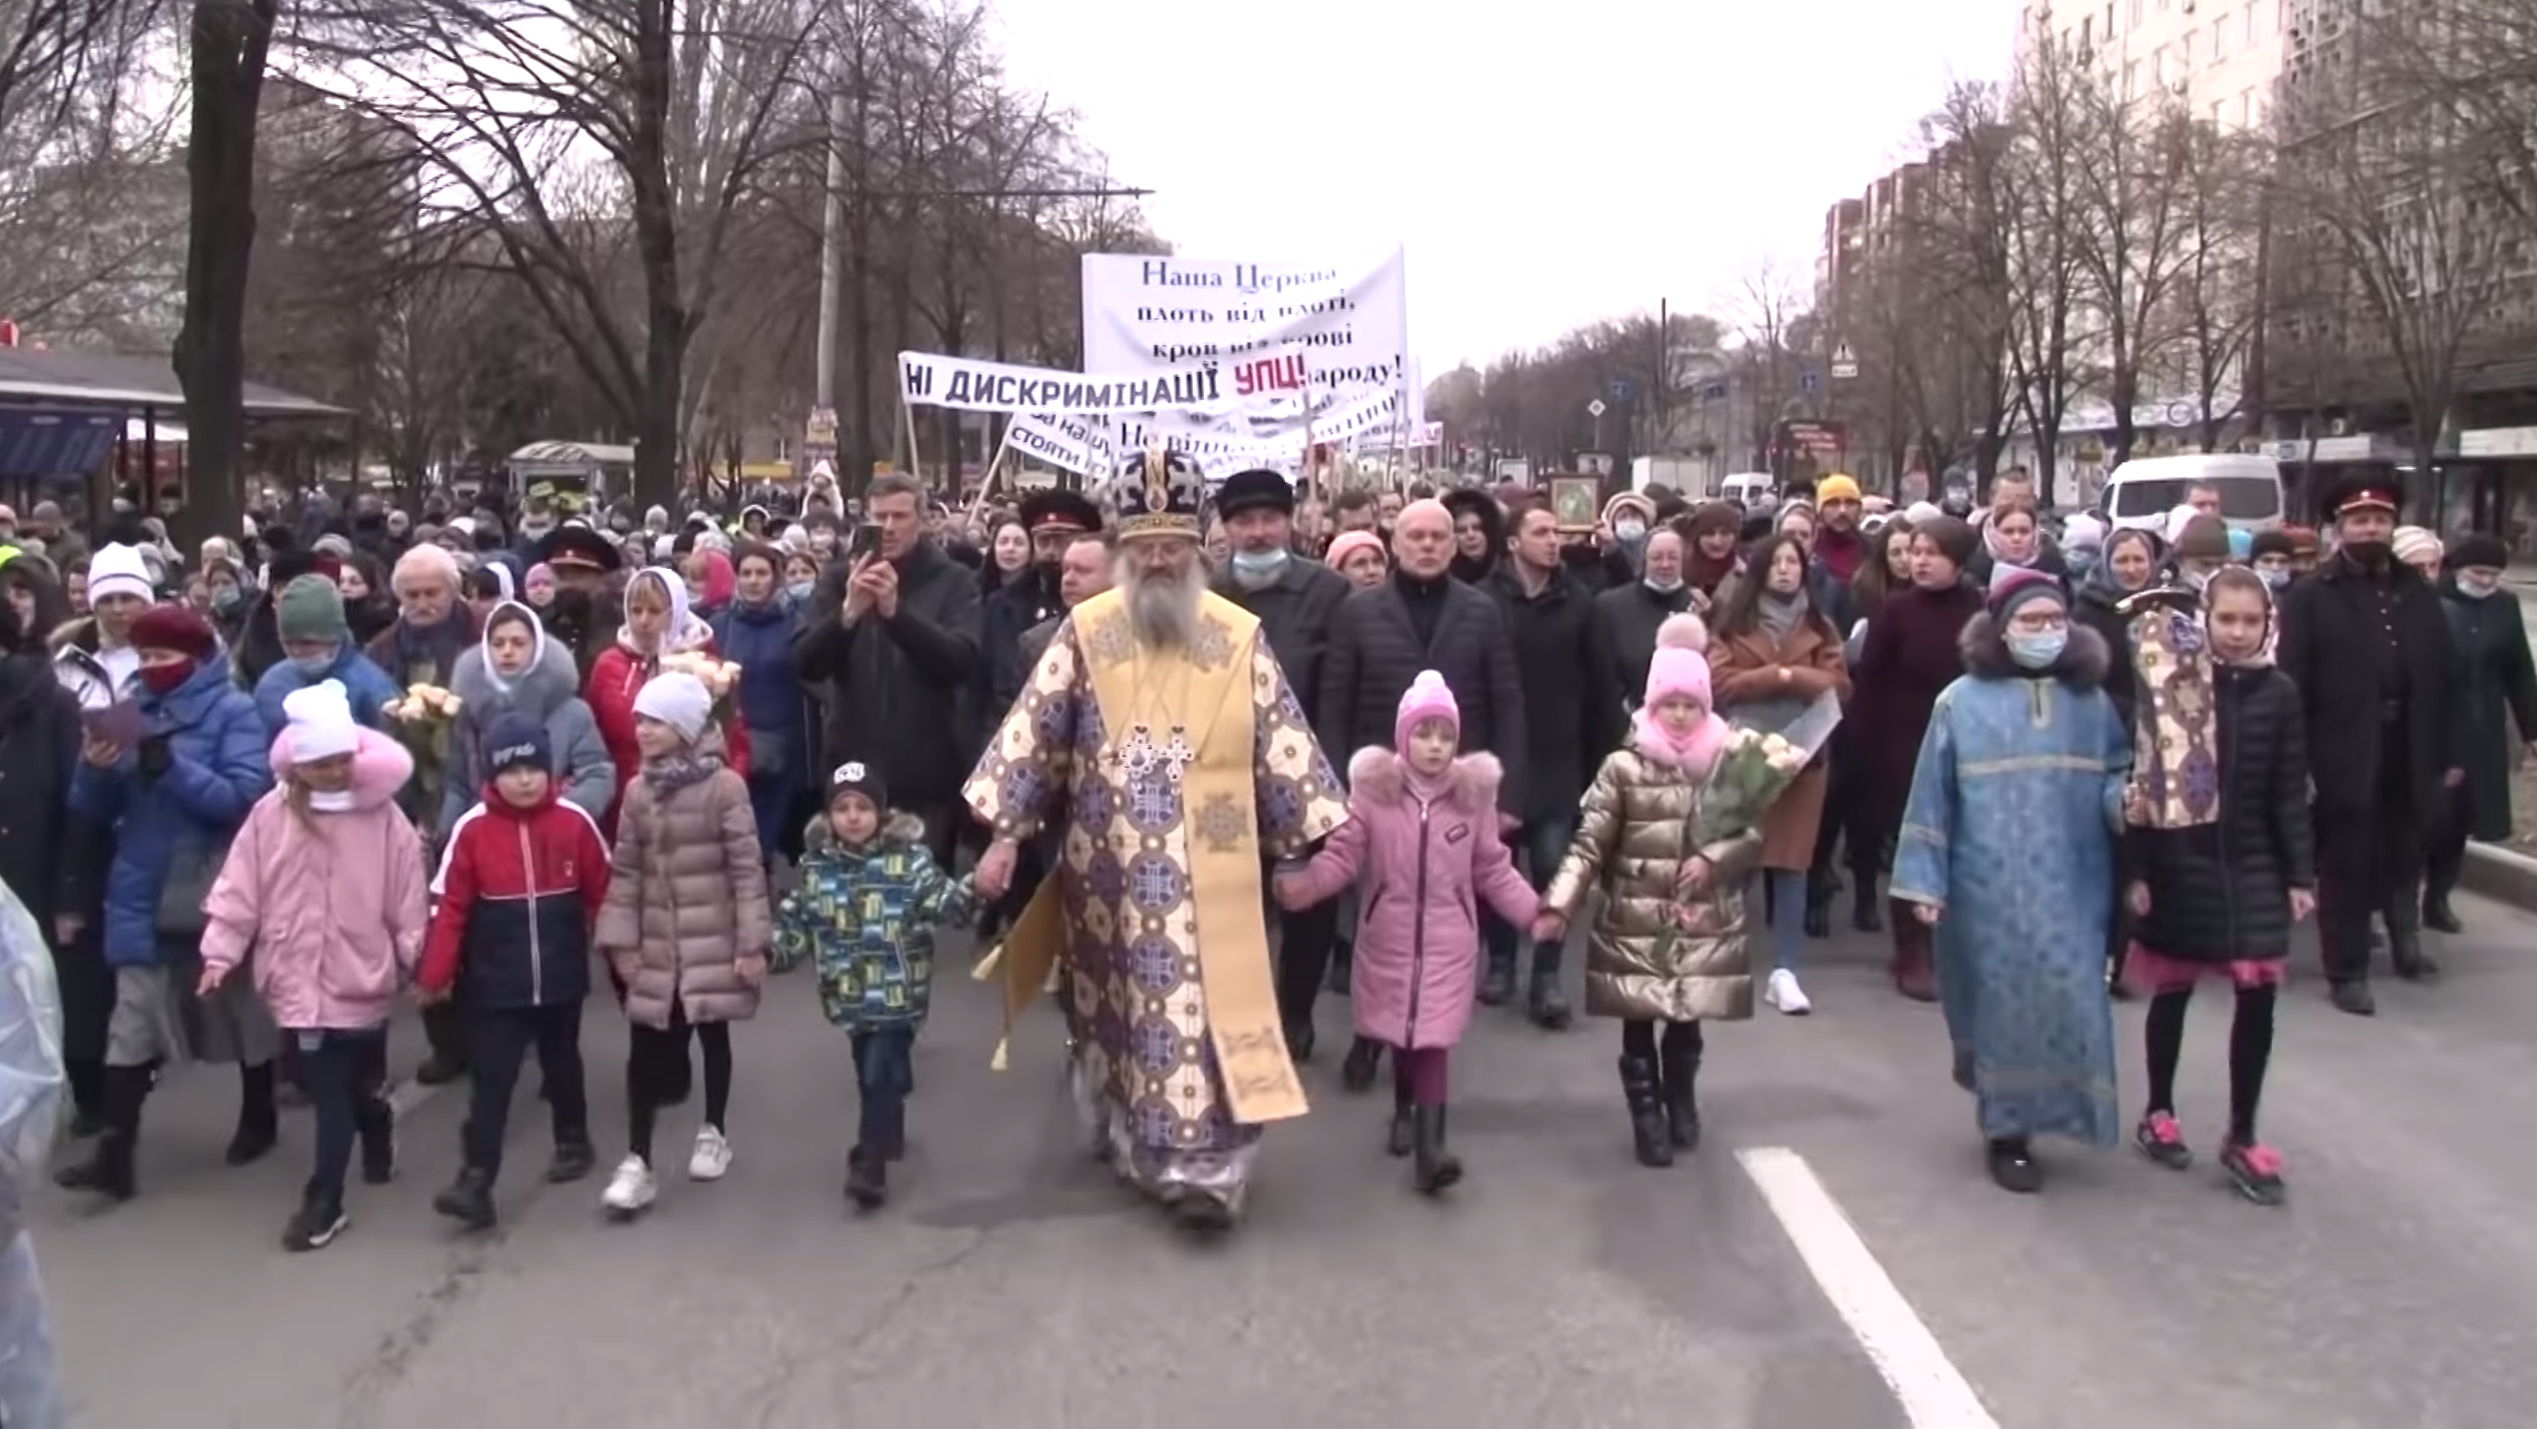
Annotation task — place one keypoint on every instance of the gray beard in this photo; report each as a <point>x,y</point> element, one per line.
<point>1163,610</point>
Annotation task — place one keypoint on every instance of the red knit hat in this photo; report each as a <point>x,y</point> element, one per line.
<point>173,627</point>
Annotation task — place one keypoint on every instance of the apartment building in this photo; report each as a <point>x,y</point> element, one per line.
<point>2219,57</point>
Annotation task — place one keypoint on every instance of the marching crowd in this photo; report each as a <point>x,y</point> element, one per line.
<point>252,797</point>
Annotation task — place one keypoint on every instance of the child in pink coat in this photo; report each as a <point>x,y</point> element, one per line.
<point>325,881</point>
<point>1422,844</point>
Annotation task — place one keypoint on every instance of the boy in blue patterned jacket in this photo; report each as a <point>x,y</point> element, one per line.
<point>865,911</point>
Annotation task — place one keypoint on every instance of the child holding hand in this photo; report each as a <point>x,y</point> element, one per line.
<point>1422,845</point>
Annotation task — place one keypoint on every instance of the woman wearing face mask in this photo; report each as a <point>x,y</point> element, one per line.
<point>756,633</point>
<point>518,670</point>
<point>801,575</point>
<point>1630,615</point>
<point>1909,655</point>
<point>2494,704</point>
<point>2219,899</point>
<point>2016,799</point>
<point>1628,517</point>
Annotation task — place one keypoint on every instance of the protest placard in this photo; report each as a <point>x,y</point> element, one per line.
<point>1147,313</point>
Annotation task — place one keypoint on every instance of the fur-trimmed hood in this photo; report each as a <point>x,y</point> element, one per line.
<point>896,828</point>
<point>1471,781</point>
<point>2082,664</point>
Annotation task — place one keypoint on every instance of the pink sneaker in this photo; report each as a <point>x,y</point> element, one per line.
<point>2256,1171</point>
<point>2162,1141</point>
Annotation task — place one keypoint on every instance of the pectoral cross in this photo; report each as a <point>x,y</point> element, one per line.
<point>1141,754</point>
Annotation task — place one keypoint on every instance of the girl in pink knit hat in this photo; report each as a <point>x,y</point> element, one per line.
<point>1421,844</point>
<point>1670,947</point>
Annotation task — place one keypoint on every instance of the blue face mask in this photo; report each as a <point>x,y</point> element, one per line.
<point>2037,650</point>
<point>1259,563</point>
<point>315,667</point>
<point>2278,577</point>
<point>800,590</point>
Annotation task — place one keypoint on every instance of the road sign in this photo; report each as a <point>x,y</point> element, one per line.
<point>1617,390</point>
<point>1845,363</point>
<point>1595,408</point>
<point>1809,381</point>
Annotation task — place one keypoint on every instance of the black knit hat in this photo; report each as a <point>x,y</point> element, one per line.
<point>856,777</point>
<point>2479,549</point>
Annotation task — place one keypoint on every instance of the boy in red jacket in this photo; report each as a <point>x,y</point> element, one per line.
<point>521,880</point>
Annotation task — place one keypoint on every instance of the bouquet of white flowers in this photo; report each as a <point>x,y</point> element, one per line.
<point>424,702</point>
<point>719,677</point>
<point>1752,771</point>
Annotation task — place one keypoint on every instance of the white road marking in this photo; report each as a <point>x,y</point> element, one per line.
<point>1933,1393</point>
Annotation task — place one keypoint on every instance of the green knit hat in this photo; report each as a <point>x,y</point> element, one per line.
<point>311,609</point>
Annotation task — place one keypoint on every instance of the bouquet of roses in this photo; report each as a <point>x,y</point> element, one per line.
<point>424,702</point>
<point>1752,771</point>
<point>719,677</point>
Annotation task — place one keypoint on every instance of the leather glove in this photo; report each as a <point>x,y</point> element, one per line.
<point>153,756</point>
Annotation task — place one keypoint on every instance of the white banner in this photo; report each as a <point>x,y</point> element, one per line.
<point>1143,313</point>
<point>1090,446</point>
<point>1271,383</point>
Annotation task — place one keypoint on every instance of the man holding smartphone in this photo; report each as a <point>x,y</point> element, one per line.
<point>893,639</point>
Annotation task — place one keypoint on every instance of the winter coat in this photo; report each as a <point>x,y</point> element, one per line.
<point>2095,606</point>
<point>2349,660</point>
<point>218,766</point>
<point>1018,606</point>
<point>1570,718</point>
<point>585,773</point>
<point>517,891</point>
<point>687,899</point>
<point>1375,653</point>
<point>1626,617</point>
<point>334,907</point>
<point>40,842</point>
<point>1421,870</point>
<point>2220,892</point>
<point>1294,612</point>
<point>895,687</point>
<point>619,674</point>
<point>1653,954</point>
<point>1909,656</point>
<point>366,687</point>
<point>2493,704</point>
<point>1744,674</point>
<point>865,917</point>
<point>773,705</point>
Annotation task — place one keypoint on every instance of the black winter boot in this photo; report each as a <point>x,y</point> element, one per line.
<point>1364,1059</point>
<point>108,1171</point>
<point>2404,940</point>
<point>1681,1072</point>
<point>574,1160</point>
<point>1436,1169</point>
<point>374,1117</point>
<point>1867,906</point>
<point>469,1199</point>
<point>1548,1004</point>
<point>1497,981</point>
<point>1647,1111</point>
<point>1403,1137</point>
<point>88,1096</point>
<point>867,1179</point>
<point>258,1118</point>
<point>2437,915</point>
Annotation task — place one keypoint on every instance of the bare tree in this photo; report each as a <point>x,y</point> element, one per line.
<point>2132,235</point>
<point>677,107</point>
<point>1952,274</point>
<point>1764,313</point>
<point>2219,301</point>
<point>2045,209</point>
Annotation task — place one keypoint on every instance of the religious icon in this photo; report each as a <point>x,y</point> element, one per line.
<point>1576,502</point>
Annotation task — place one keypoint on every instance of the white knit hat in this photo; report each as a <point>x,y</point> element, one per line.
<point>676,699</point>
<point>321,723</point>
<point>119,570</point>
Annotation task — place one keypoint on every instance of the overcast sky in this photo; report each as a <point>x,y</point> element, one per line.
<point>1485,136</point>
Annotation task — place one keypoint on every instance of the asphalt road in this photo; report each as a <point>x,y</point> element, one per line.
<point>1012,1283</point>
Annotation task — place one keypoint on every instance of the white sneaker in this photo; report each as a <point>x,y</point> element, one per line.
<point>631,1189</point>
<point>1786,995</point>
<point>712,1156</point>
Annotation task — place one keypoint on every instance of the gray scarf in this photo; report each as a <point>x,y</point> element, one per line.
<point>1781,614</point>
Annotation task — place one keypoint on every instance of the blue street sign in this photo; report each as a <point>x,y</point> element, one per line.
<point>1809,381</point>
<point>1618,390</point>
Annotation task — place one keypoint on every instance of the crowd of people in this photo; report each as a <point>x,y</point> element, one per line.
<point>253,797</point>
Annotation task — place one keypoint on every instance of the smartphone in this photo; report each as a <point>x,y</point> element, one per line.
<point>118,723</point>
<point>865,544</point>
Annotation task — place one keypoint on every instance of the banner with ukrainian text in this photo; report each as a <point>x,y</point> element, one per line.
<point>1268,383</point>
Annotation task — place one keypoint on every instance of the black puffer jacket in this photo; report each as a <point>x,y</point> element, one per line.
<point>2221,892</point>
<point>1375,652</point>
<point>1628,616</point>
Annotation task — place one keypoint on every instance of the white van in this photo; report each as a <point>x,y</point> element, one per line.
<point>1748,488</point>
<point>2140,493</point>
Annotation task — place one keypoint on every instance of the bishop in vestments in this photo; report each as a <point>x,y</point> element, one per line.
<point>1158,737</point>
